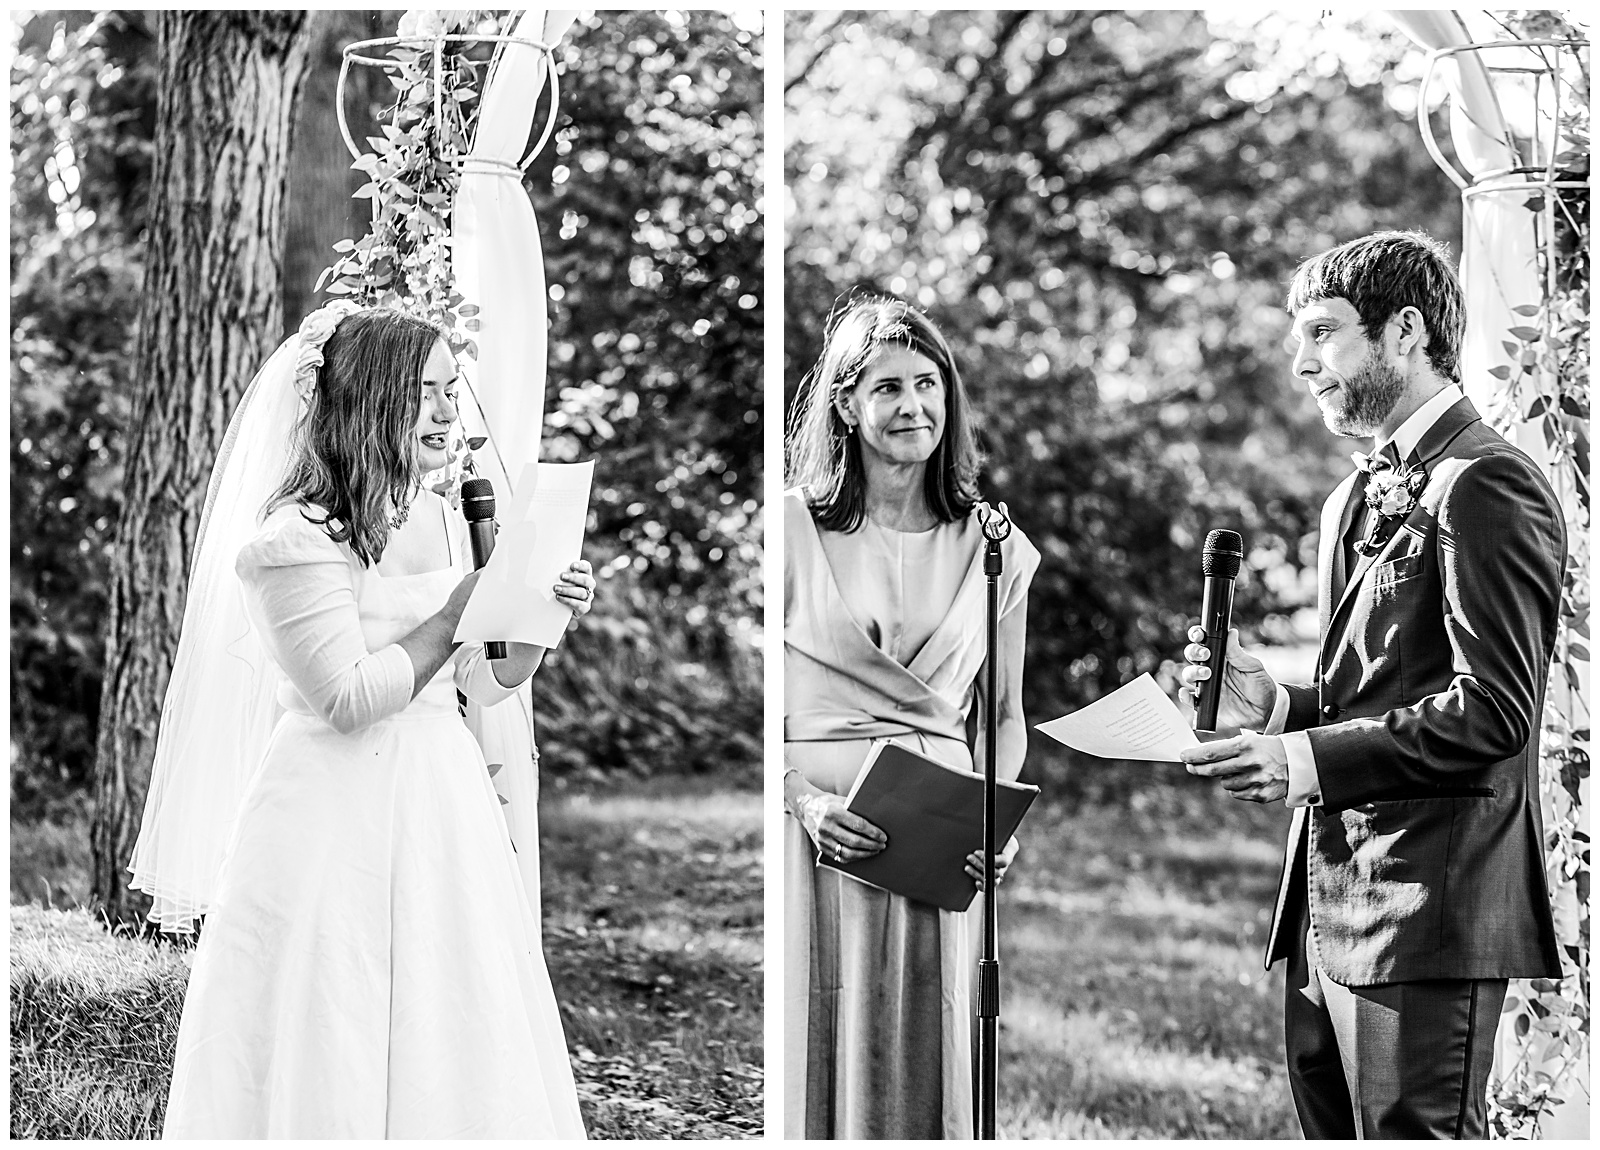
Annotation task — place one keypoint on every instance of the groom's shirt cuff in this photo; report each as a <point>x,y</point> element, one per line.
<point>1304,789</point>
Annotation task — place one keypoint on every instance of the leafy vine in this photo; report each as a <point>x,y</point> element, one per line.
<point>403,261</point>
<point>1547,380</point>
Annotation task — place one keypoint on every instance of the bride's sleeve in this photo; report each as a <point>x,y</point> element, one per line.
<point>475,676</point>
<point>301,595</point>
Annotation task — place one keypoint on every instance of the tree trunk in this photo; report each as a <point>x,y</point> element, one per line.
<point>209,317</point>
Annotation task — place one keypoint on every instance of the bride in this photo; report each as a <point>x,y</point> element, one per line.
<point>371,964</point>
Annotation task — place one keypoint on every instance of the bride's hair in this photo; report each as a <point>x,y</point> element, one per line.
<point>825,459</point>
<point>353,455</point>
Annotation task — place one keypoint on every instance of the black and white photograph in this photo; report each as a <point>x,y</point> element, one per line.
<point>386,605</point>
<point>1161,438</point>
<point>1186,574</point>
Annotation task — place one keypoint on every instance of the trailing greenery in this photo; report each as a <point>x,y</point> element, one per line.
<point>1546,373</point>
<point>404,259</point>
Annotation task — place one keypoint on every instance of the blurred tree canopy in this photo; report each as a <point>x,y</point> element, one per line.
<point>649,205</point>
<point>1102,210</point>
<point>650,212</point>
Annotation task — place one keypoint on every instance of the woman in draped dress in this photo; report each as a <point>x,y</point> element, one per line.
<point>884,636</point>
<point>370,966</point>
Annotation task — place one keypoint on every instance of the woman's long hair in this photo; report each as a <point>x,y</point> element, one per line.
<point>354,451</point>
<point>825,459</point>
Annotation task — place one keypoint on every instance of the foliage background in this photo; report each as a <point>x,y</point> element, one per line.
<point>1102,212</point>
<point>1545,374</point>
<point>649,205</point>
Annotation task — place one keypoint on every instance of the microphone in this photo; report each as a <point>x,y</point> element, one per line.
<point>477,504</point>
<point>1219,560</point>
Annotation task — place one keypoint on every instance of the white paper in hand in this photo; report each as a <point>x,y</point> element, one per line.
<point>540,537</point>
<point>1133,722</point>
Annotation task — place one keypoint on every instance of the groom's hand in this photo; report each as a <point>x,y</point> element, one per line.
<point>1248,691</point>
<point>1249,766</point>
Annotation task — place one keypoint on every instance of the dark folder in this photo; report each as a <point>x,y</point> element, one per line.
<point>933,815</point>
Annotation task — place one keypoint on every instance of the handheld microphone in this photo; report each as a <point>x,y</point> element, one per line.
<point>477,504</point>
<point>1220,559</point>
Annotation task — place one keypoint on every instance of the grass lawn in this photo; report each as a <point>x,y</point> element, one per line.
<point>1134,1004</point>
<point>94,1020</point>
<point>652,934</point>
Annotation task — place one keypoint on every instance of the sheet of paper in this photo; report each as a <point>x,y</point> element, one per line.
<point>541,534</point>
<point>1136,721</point>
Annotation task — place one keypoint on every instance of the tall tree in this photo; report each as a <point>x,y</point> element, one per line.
<point>210,313</point>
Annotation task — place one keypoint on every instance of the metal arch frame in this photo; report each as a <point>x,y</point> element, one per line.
<point>353,55</point>
<point>1425,125</point>
<point>1547,184</point>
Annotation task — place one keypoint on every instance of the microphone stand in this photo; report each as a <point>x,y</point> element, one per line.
<point>995,528</point>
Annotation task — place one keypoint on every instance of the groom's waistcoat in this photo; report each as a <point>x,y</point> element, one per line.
<point>1425,857</point>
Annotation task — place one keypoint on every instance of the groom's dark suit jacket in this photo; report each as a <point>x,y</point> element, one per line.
<point>1425,858</point>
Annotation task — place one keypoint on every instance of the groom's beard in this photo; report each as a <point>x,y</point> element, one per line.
<point>1370,397</point>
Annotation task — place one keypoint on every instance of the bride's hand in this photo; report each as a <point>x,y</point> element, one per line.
<point>575,588</point>
<point>457,602</point>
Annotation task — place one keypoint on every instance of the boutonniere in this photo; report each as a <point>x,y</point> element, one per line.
<point>1391,495</point>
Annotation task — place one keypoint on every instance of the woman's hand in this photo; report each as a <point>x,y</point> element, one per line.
<point>457,602</point>
<point>433,640</point>
<point>843,836</point>
<point>575,588</point>
<point>1002,863</point>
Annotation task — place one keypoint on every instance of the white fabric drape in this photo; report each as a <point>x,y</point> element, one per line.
<point>499,267</point>
<point>498,262</point>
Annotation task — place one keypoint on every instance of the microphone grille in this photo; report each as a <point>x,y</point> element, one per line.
<point>1223,552</point>
<point>477,499</point>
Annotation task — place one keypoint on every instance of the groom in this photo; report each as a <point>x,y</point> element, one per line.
<point>1413,887</point>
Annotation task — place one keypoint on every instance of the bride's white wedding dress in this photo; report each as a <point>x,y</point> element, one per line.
<point>371,967</point>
